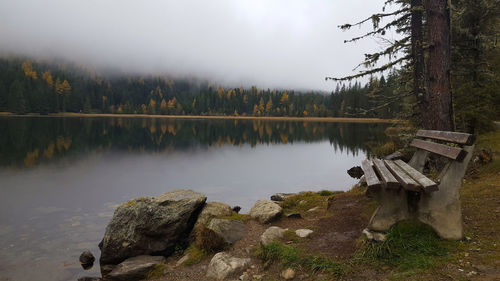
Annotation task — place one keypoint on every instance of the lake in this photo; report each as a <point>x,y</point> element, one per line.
<point>61,178</point>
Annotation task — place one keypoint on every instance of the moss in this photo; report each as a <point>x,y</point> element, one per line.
<point>195,255</point>
<point>305,201</point>
<point>293,257</point>
<point>157,271</point>
<point>134,201</point>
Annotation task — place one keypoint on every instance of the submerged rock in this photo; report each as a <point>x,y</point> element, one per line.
<point>271,234</point>
<point>135,268</point>
<point>150,226</point>
<point>213,210</point>
<point>230,230</point>
<point>265,211</point>
<point>355,172</point>
<point>223,265</point>
<point>87,260</point>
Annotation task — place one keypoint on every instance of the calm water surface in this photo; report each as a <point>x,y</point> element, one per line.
<point>61,178</point>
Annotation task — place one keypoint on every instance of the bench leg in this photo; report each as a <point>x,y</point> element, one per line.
<point>441,209</point>
<point>393,207</point>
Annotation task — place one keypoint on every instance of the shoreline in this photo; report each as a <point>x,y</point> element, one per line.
<point>213,117</point>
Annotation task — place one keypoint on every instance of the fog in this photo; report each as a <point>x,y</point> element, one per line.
<point>275,44</point>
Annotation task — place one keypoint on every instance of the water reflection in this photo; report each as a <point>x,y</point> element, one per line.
<point>27,142</point>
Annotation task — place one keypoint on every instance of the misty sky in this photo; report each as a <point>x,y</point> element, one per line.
<point>268,43</point>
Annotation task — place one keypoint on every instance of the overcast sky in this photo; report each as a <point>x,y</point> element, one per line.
<point>268,43</point>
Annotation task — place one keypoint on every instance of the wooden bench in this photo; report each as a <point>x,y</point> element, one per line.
<point>404,192</point>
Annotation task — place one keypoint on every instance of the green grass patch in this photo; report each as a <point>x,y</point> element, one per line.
<point>293,257</point>
<point>410,246</point>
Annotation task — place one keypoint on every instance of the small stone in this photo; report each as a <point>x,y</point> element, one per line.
<point>467,238</point>
<point>182,260</point>
<point>303,233</point>
<point>294,216</point>
<point>374,236</point>
<point>472,273</point>
<point>87,260</point>
<point>271,234</point>
<point>244,277</point>
<point>302,202</point>
<point>288,274</point>
<point>313,209</point>
<point>258,276</point>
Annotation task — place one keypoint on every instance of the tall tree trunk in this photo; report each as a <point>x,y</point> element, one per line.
<point>438,66</point>
<point>418,61</point>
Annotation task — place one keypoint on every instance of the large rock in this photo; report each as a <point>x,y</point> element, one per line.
<point>230,230</point>
<point>271,234</point>
<point>224,265</point>
<point>213,210</point>
<point>265,211</point>
<point>147,226</point>
<point>135,268</point>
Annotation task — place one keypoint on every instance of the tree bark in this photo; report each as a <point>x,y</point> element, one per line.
<point>418,61</point>
<point>438,66</point>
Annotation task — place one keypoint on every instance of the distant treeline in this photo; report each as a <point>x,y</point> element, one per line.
<point>28,86</point>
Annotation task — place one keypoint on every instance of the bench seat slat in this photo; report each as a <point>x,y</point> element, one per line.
<point>403,178</point>
<point>385,175</point>
<point>460,138</point>
<point>453,153</point>
<point>370,176</point>
<point>427,184</point>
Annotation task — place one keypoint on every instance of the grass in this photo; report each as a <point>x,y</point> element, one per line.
<point>293,257</point>
<point>409,246</point>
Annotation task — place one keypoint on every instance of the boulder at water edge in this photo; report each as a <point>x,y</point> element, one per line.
<point>265,211</point>
<point>146,226</point>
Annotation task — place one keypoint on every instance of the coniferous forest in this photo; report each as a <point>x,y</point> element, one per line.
<point>34,87</point>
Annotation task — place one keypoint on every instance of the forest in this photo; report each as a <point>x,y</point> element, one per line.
<point>28,86</point>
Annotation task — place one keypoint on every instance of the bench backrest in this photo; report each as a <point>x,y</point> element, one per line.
<point>437,142</point>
